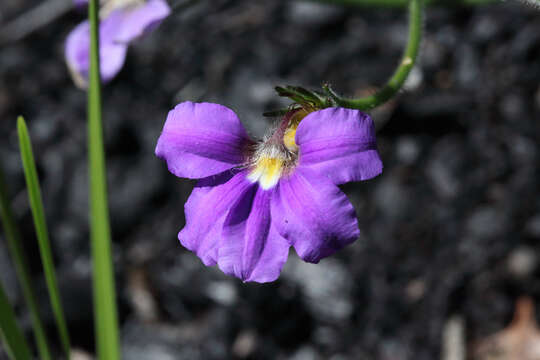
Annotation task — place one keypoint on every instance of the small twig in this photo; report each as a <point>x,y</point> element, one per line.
<point>33,20</point>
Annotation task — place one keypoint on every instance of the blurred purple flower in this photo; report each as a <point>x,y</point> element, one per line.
<point>121,21</point>
<point>254,200</point>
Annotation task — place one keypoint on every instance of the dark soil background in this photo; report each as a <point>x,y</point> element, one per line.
<point>451,227</point>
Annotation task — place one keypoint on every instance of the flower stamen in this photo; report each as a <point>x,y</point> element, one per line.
<point>278,153</point>
<point>268,164</point>
<point>289,139</point>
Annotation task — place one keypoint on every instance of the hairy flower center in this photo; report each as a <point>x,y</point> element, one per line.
<point>267,172</point>
<point>108,6</point>
<point>278,154</point>
<point>269,163</point>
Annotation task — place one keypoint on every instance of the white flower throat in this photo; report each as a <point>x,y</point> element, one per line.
<point>269,163</point>
<point>277,155</point>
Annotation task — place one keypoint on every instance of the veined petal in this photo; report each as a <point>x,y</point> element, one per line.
<point>202,139</point>
<point>141,19</point>
<point>313,214</point>
<point>206,210</point>
<point>250,248</point>
<point>112,55</point>
<point>340,144</point>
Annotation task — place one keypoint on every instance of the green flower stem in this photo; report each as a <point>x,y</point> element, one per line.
<point>400,75</point>
<point>404,3</point>
<point>105,314</point>
<point>40,225</point>
<point>16,344</point>
<point>17,254</point>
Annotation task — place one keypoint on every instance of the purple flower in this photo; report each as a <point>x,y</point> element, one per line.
<point>121,21</point>
<point>254,200</point>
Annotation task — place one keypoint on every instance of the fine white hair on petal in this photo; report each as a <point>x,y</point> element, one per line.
<point>268,163</point>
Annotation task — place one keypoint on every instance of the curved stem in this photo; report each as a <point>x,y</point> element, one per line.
<point>397,80</point>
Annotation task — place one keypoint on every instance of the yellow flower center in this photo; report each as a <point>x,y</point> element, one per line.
<point>267,171</point>
<point>277,154</point>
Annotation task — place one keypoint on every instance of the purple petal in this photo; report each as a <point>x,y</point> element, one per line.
<point>313,214</point>
<point>141,19</point>
<point>112,55</point>
<point>250,248</point>
<point>202,139</point>
<point>340,144</point>
<point>206,210</point>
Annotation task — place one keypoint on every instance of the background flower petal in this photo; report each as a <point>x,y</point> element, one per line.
<point>112,55</point>
<point>250,248</point>
<point>141,19</point>
<point>313,214</point>
<point>340,144</point>
<point>202,139</point>
<point>206,210</point>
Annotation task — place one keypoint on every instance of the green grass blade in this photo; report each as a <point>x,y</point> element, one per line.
<point>11,333</point>
<point>106,318</point>
<point>21,268</point>
<point>36,204</point>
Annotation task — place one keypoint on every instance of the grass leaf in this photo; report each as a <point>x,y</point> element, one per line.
<point>16,344</point>
<point>17,255</point>
<point>36,204</point>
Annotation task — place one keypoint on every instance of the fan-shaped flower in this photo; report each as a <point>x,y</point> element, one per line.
<point>121,21</point>
<point>256,199</point>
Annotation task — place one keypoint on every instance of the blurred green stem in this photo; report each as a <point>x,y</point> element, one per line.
<point>105,314</point>
<point>403,3</point>
<point>17,254</point>
<point>10,332</point>
<point>397,80</point>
